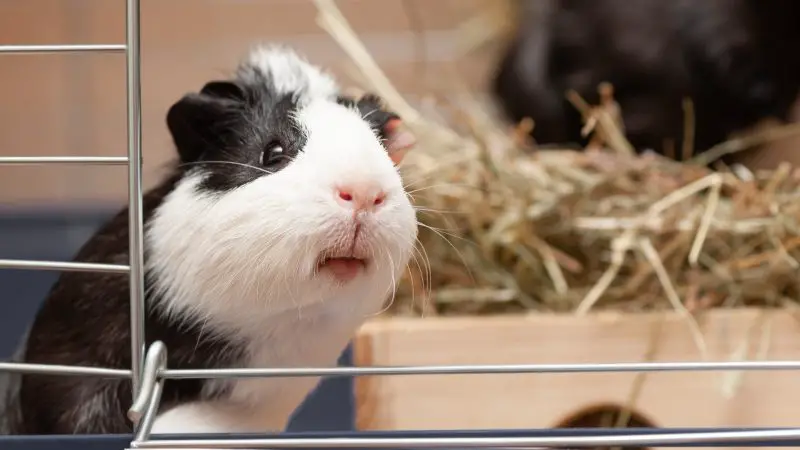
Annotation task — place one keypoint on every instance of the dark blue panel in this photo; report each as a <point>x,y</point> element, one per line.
<point>111,442</point>
<point>330,407</point>
<point>38,236</point>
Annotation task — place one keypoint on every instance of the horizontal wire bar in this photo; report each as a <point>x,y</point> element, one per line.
<point>655,439</point>
<point>437,370</point>
<point>55,369</point>
<point>62,48</point>
<point>89,160</point>
<point>62,266</point>
<point>481,369</point>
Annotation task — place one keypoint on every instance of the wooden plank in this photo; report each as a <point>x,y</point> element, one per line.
<point>674,399</point>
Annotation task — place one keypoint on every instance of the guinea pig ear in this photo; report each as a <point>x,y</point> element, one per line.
<point>396,138</point>
<point>199,122</point>
<point>224,90</point>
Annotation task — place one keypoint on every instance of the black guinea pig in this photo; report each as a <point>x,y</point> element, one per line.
<point>282,228</point>
<point>733,58</point>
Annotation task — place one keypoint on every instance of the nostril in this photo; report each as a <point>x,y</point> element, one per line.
<point>346,196</point>
<point>360,197</point>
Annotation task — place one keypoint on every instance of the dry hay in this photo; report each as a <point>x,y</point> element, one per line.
<point>508,229</point>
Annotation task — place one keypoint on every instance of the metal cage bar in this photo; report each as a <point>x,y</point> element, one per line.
<point>135,217</point>
<point>81,160</point>
<point>483,369</point>
<point>493,442</point>
<point>62,266</point>
<point>55,369</point>
<point>66,48</point>
<point>135,226</point>
<point>148,370</point>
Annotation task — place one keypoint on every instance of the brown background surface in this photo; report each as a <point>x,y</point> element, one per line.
<point>75,104</point>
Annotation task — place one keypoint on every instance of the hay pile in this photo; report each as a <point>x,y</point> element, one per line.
<point>505,228</point>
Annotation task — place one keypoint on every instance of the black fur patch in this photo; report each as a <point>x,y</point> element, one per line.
<point>729,56</point>
<point>225,129</point>
<point>85,320</point>
<point>372,111</point>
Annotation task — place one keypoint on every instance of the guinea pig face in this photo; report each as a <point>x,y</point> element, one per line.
<point>290,195</point>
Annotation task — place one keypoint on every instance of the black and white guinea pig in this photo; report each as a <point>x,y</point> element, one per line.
<point>285,226</point>
<point>732,57</point>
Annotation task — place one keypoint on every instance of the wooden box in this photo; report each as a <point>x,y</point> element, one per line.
<point>664,399</point>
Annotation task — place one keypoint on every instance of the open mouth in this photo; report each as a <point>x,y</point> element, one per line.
<point>343,268</point>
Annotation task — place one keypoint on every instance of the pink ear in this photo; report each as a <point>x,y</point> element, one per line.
<point>398,141</point>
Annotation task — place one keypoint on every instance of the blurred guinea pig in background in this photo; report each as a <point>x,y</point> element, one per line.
<point>733,58</point>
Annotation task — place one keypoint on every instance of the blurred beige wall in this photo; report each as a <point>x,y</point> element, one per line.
<point>75,104</point>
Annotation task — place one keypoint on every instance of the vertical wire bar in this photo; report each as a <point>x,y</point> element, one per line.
<point>134,94</point>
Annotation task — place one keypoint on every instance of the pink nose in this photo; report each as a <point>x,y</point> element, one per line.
<point>360,196</point>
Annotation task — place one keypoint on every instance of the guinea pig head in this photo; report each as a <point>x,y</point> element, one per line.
<point>289,196</point>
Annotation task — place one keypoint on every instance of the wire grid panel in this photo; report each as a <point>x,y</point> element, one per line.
<point>149,371</point>
<point>134,162</point>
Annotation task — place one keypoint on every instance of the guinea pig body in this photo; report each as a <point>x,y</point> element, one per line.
<point>285,226</point>
<point>731,57</point>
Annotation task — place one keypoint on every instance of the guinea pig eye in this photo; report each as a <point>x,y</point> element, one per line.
<point>272,153</point>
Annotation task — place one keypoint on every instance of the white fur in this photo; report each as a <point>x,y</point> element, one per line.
<point>289,73</point>
<point>242,263</point>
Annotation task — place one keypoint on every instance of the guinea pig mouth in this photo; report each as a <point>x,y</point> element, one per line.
<point>342,268</point>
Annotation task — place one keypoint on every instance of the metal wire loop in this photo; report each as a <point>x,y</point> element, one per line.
<point>155,362</point>
<point>145,406</point>
<point>148,419</point>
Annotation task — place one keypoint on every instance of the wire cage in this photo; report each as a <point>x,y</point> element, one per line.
<point>149,371</point>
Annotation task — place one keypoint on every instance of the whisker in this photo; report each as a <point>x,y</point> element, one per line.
<point>419,256</point>
<point>228,162</point>
<point>432,186</point>
<point>419,180</point>
<point>411,273</point>
<point>428,271</point>
<point>427,278</point>
<point>444,232</point>
<point>369,113</point>
<point>393,288</point>
<point>460,255</point>
<point>440,212</point>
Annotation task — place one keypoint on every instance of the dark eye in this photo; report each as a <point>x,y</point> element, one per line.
<point>273,152</point>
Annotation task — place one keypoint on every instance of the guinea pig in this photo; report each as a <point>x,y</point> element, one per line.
<point>283,226</point>
<point>731,57</point>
